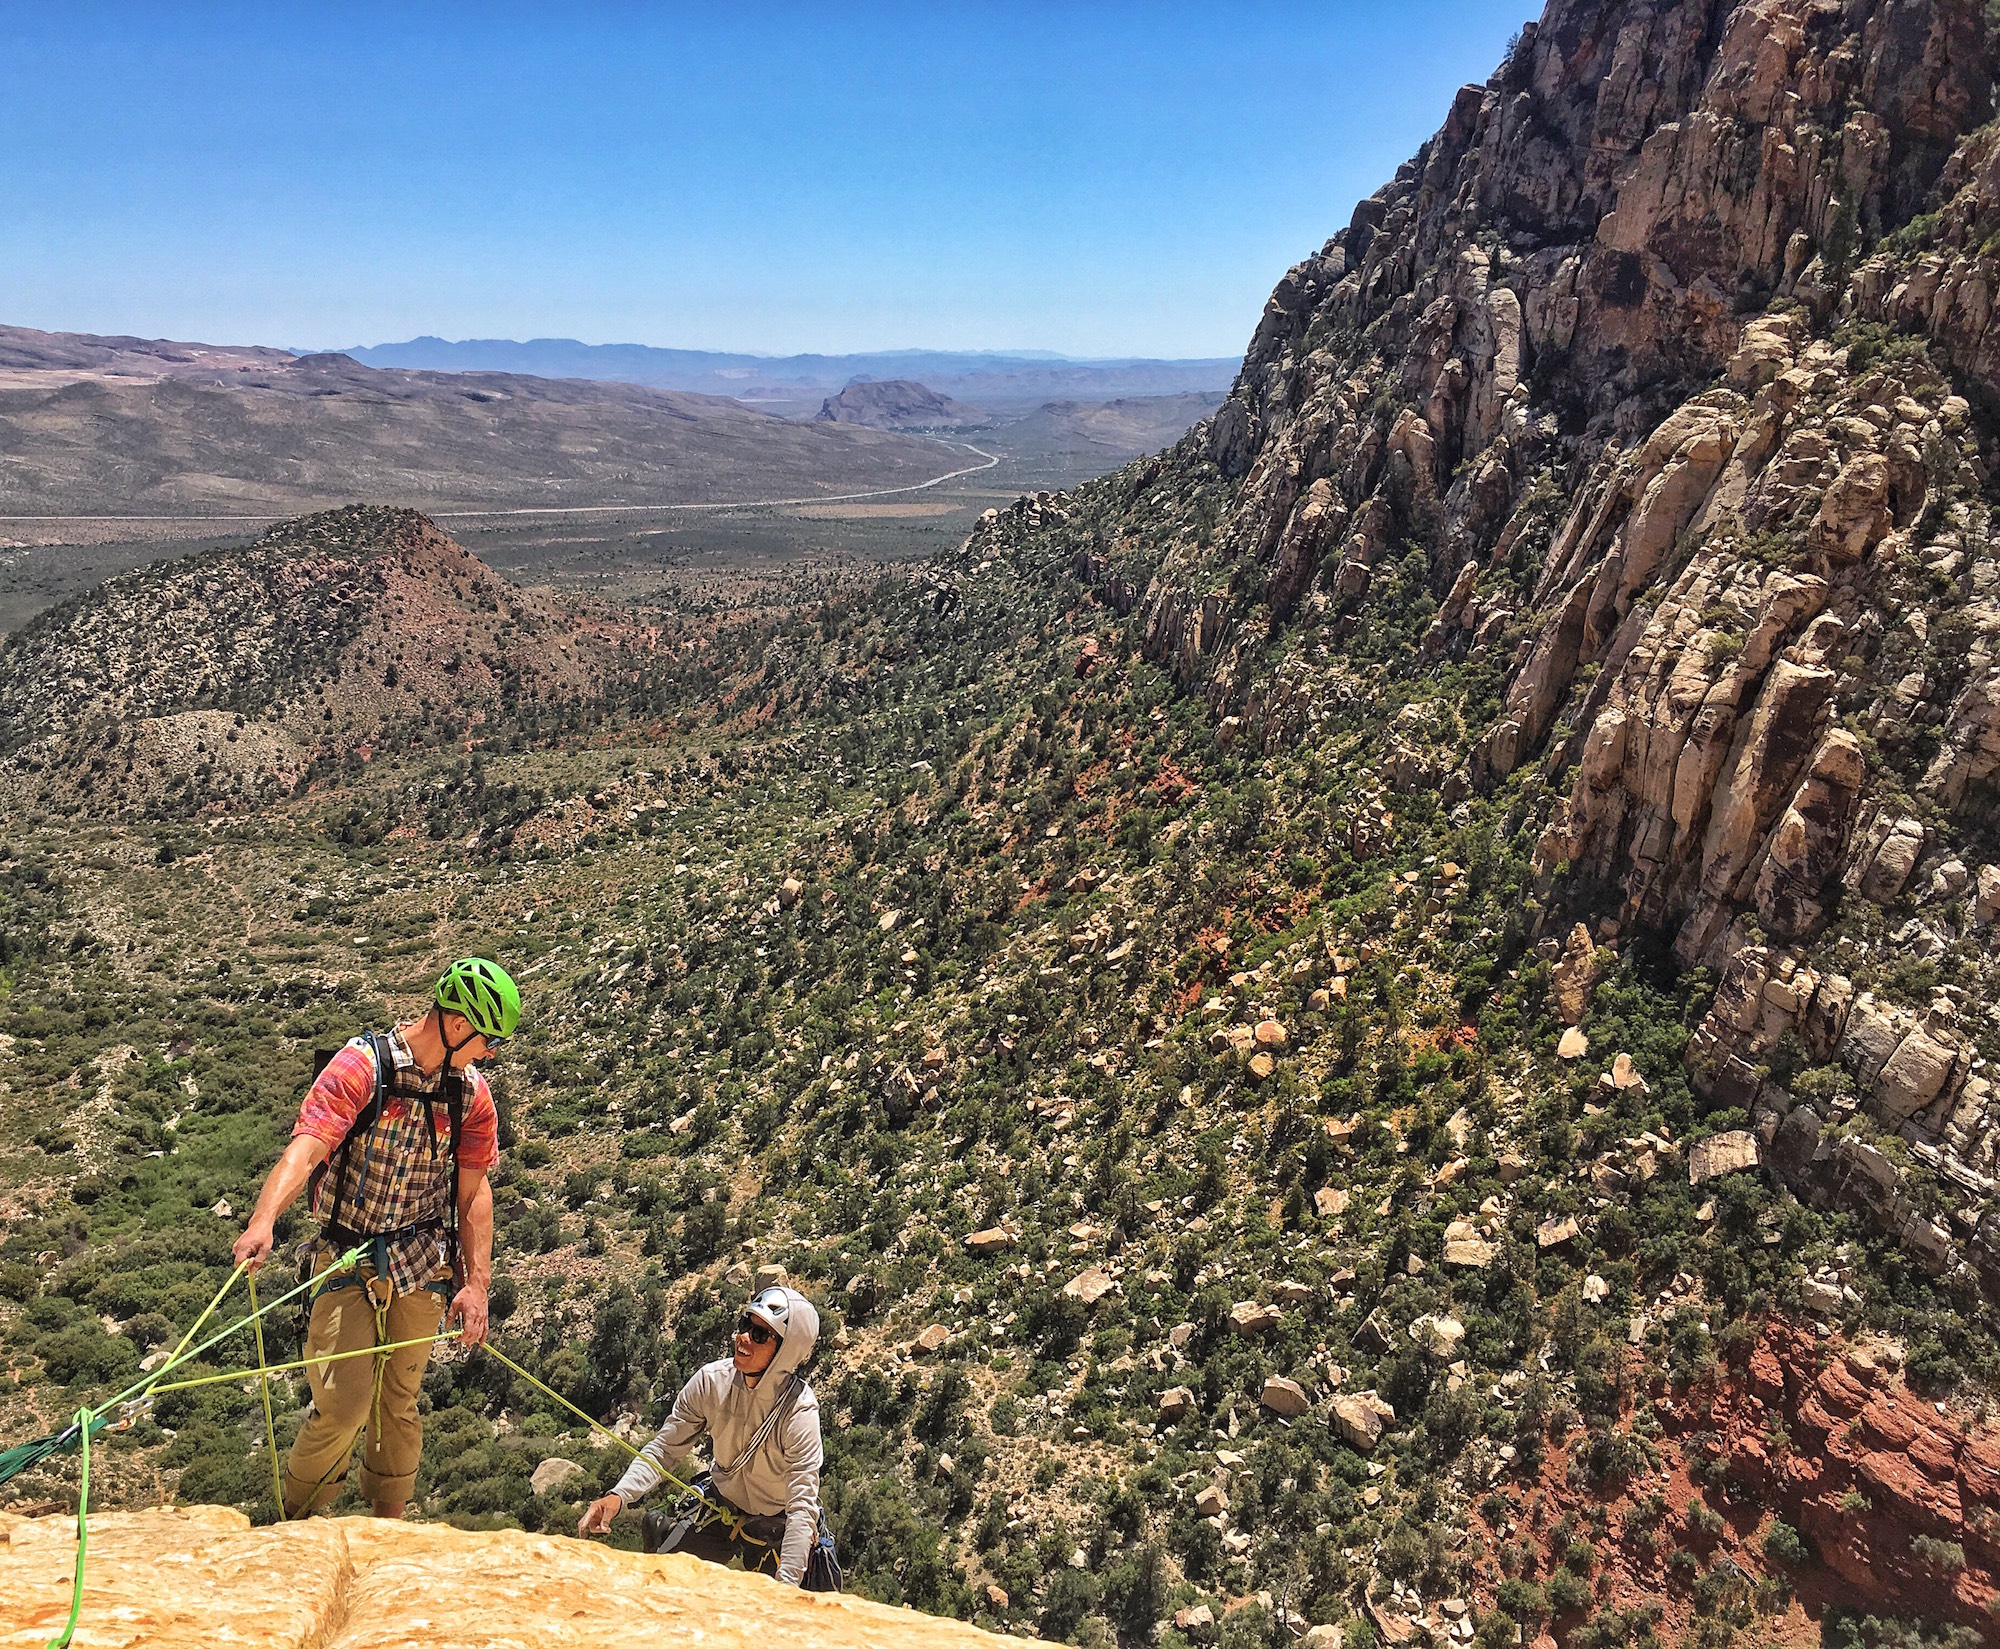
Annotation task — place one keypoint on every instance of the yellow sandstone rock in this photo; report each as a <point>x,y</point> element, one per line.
<point>203,1576</point>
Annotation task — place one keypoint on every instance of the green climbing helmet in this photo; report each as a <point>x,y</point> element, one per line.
<point>482,993</point>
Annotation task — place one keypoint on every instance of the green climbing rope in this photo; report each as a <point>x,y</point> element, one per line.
<point>548,1391</point>
<point>21,1456</point>
<point>728,1517</point>
<point>264,1389</point>
<point>208,1310</point>
<point>149,1382</point>
<point>90,1421</point>
<point>61,1639</point>
<point>314,1361</point>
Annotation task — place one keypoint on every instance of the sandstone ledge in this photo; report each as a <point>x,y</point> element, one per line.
<point>203,1576</point>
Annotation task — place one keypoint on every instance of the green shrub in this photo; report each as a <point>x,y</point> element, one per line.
<point>74,1355</point>
<point>1567,1592</point>
<point>1072,1594</point>
<point>1845,1627</point>
<point>1784,1544</point>
<point>1931,1367</point>
<point>1944,1554</point>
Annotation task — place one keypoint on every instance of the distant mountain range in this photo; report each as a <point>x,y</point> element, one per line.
<point>994,383</point>
<point>122,426</point>
<point>896,403</point>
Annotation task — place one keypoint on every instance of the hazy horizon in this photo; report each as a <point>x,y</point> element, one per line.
<point>1098,183</point>
<point>773,354</point>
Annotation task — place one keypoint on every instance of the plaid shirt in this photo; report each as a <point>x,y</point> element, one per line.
<point>398,1173</point>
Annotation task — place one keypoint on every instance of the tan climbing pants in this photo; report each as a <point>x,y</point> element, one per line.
<point>347,1399</point>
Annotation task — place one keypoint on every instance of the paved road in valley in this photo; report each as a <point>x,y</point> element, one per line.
<point>581,509</point>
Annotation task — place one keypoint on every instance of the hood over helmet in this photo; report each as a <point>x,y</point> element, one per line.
<point>792,1317</point>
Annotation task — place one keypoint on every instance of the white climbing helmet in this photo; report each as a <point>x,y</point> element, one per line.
<point>773,1308</point>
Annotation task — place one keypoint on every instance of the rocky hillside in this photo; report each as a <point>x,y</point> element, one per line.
<point>1632,427</point>
<point>1372,1030</point>
<point>28,357</point>
<point>235,675</point>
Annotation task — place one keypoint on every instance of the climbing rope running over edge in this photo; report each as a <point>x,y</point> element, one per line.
<point>136,1397</point>
<point>89,1421</point>
<point>61,1639</point>
<point>264,1390</point>
<point>728,1517</point>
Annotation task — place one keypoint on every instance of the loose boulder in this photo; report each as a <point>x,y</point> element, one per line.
<point>1553,1233</point>
<point>1285,1398</point>
<point>1728,1153</point>
<point>553,1473</point>
<point>1464,1247</point>
<point>1247,1317</point>
<point>1360,1418</point>
<point>1089,1286</point>
<point>1915,1074</point>
<point>1574,977</point>
<point>1440,1336</point>
<point>1896,856</point>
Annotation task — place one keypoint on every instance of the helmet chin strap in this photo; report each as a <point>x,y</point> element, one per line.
<point>450,1048</point>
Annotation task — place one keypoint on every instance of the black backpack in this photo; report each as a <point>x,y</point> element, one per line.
<point>370,1114</point>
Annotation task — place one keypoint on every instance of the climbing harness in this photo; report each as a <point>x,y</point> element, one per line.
<point>666,1528</point>
<point>135,1400</point>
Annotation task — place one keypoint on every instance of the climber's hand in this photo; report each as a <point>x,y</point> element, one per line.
<point>598,1514</point>
<point>468,1313</point>
<point>253,1248</point>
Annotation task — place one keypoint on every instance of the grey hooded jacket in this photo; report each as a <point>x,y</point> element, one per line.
<point>782,1477</point>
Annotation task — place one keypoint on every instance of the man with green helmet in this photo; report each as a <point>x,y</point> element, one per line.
<point>393,1145</point>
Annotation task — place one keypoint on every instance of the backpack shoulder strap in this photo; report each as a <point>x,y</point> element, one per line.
<point>383,1059</point>
<point>454,1105</point>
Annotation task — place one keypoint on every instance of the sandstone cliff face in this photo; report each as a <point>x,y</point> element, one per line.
<point>1821,1436</point>
<point>1864,1469</point>
<point>204,1576</point>
<point>1645,393</point>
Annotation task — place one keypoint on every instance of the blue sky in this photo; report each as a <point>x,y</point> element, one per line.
<point>1091,178</point>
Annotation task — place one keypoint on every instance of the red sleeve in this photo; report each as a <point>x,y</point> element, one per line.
<point>479,1134</point>
<point>341,1093</point>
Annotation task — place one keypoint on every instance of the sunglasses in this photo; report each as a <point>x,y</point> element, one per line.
<point>494,1043</point>
<point>760,1333</point>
